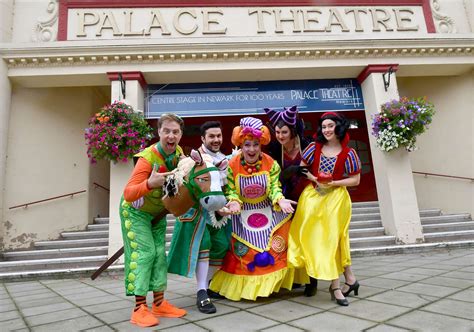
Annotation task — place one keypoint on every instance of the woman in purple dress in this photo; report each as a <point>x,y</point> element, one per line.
<point>287,151</point>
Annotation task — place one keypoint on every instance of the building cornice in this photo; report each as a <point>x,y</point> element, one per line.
<point>90,54</point>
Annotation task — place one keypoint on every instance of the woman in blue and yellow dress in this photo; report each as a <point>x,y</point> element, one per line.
<point>319,234</point>
<point>256,264</point>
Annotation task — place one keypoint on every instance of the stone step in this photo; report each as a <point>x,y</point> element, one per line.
<point>446,218</point>
<point>409,248</point>
<point>365,204</point>
<point>365,224</point>
<point>98,227</point>
<point>101,220</point>
<point>54,253</point>
<point>430,213</point>
<point>85,271</point>
<point>84,235</point>
<point>365,216</point>
<point>376,241</point>
<point>72,243</point>
<point>51,263</point>
<point>361,210</point>
<point>449,236</point>
<point>376,216</point>
<point>446,227</point>
<point>366,232</point>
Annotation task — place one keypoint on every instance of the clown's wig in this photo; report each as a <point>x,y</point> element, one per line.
<point>250,129</point>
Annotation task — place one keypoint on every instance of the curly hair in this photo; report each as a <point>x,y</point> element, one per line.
<point>238,138</point>
<point>342,125</point>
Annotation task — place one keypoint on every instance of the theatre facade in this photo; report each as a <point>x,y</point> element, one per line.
<point>61,61</point>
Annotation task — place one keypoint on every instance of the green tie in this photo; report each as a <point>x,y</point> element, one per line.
<point>169,159</point>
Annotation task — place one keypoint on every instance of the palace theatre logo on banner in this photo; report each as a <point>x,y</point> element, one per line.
<point>85,20</point>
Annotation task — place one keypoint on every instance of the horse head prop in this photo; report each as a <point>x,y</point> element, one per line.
<point>195,181</point>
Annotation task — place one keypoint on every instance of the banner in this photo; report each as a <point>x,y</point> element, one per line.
<point>247,98</point>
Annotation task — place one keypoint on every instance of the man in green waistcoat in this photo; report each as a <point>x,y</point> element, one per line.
<point>198,248</point>
<point>144,237</point>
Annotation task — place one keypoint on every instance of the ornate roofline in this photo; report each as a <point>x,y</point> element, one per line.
<point>125,54</point>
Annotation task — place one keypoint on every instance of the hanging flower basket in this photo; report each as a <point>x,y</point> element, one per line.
<point>400,122</point>
<point>116,133</point>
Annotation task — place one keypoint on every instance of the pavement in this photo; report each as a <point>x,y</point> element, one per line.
<point>431,291</point>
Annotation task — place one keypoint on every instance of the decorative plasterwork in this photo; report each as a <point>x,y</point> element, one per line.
<point>46,29</point>
<point>444,23</point>
<point>240,55</point>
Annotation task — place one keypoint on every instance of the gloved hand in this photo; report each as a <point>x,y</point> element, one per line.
<point>290,172</point>
<point>303,170</point>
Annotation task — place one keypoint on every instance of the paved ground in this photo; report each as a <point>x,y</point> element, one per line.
<point>423,292</point>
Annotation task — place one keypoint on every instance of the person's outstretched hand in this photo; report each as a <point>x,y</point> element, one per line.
<point>234,207</point>
<point>225,211</point>
<point>157,179</point>
<point>308,174</point>
<point>286,205</point>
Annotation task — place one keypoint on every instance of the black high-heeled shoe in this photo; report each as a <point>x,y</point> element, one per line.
<point>311,288</point>
<point>354,287</point>
<point>342,302</point>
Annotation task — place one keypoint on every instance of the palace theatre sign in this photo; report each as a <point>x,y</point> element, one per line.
<point>149,19</point>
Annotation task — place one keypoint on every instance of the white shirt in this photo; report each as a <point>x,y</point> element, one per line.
<point>216,157</point>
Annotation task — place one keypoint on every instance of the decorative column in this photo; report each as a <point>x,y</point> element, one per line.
<point>132,87</point>
<point>393,172</point>
<point>6,10</point>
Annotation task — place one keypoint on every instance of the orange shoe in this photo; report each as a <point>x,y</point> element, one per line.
<point>166,309</point>
<point>143,317</point>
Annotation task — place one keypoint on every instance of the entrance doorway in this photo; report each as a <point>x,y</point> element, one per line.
<point>229,102</point>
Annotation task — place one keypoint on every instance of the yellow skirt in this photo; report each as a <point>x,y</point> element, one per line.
<point>319,233</point>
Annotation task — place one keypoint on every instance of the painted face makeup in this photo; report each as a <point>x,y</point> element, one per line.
<point>251,149</point>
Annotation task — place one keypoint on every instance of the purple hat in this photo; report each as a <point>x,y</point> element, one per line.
<point>253,123</point>
<point>287,115</point>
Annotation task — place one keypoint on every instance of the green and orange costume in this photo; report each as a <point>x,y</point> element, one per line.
<point>144,237</point>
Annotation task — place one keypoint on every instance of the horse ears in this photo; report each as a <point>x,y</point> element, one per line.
<point>196,156</point>
<point>222,165</point>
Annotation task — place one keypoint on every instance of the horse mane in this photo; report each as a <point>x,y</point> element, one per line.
<point>176,180</point>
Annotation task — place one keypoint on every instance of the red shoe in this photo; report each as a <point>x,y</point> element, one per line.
<point>143,317</point>
<point>166,309</point>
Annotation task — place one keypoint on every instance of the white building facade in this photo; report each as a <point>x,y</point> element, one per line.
<point>60,62</point>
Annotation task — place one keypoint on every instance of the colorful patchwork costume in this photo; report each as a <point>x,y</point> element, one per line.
<point>256,264</point>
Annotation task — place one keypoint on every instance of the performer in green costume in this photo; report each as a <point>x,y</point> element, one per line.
<point>144,237</point>
<point>197,246</point>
